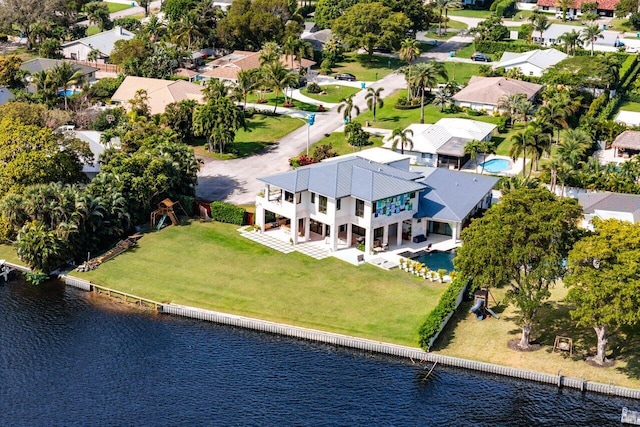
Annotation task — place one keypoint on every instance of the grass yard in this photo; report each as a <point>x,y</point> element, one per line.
<point>470,13</point>
<point>620,24</point>
<point>340,146</point>
<point>456,26</point>
<point>209,265</point>
<point>262,131</point>
<point>333,93</point>
<point>9,253</point>
<point>487,341</point>
<point>359,66</point>
<point>466,51</point>
<point>271,99</point>
<point>461,72</point>
<point>117,7</point>
<point>630,106</point>
<point>388,117</point>
<point>93,29</point>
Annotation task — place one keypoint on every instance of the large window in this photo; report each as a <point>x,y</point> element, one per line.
<point>288,197</point>
<point>360,208</point>
<point>322,208</point>
<point>338,204</point>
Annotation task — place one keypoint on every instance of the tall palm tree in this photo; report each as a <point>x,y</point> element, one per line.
<point>64,75</point>
<point>409,50</point>
<point>517,182</point>
<point>303,50</point>
<point>278,78</point>
<point>592,33</point>
<point>472,148</point>
<point>402,137</point>
<point>374,101</point>
<point>154,29</point>
<point>450,5</point>
<point>215,89</point>
<point>554,114</point>
<point>425,76</point>
<point>289,47</point>
<point>541,24</point>
<point>188,30</point>
<point>347,106</point>
<point>571,40</point>
<point>270,52</point>
<point>486,147</point>
<point>520,142</point>
<point>440,5</point>
<point>510,105</point>
<point>245,84</point>
<point>442,100</point>
<point>574,146</point>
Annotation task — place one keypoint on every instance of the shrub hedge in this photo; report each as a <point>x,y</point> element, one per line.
<point>506,8</point>
<point>225,212</point>
<point>446,305</point>
<point>597,105</point>
<point>488,46</point>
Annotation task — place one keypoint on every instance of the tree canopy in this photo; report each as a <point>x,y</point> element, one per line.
<point>583,71</point>
<point>521,242</point>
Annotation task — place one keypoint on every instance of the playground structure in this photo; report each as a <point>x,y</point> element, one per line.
<point>563,344</point>
<point>166,209</point>
<point>204,215</point>
<point>481,304</point>
<point>120,247</point>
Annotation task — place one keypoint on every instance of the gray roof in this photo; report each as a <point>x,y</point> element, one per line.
<point>103,41</point>
<point>452,195</point>
<point>352,176</point>
<point>542,59</point>
<point>45,64</point>
<point>611,202</point>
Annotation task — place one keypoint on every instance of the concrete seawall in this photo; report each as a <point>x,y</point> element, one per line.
<point>412,353</point>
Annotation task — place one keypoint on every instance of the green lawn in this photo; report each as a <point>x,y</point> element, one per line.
<point>262,131</point>
<point>271,98</point>
<point>620,24</point>
<point>388,117</point>
<point>117,7</point>
<point>457,26</point>
<point>209,265</point>
<point>93,29</point>
<point>461,72</point>
<point>340,146</point>
<point>368,71</point>
<point>332,93</point>
<point>630,106</point>
<point>470,13</point>
<point>487,341</point>
<point>466,51</point>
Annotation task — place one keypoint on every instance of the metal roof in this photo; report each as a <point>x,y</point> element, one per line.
<point>542,59</point>
<point>611,202</point>
<point>104,41</point>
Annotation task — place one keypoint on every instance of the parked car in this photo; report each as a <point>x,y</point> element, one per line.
<point>481,57</point>
<point>569,16</point>
<point>346,77</point>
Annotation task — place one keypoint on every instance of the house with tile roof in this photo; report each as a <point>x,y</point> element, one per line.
<point>36,65</point>
<point>532,63</point>
<point>442,144</point>
<point>605,7</point>
<point>606,205</point>
<point>160,92</point>
<point>350,200</point>
<point>228,66</point>
<point>103,42</point>
<point>484,93</point>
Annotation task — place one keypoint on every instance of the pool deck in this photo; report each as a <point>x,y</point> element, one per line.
<point>474,166</point>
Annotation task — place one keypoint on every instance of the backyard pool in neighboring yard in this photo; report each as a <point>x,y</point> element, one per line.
<point>436,260</point>
<point>496,165</point>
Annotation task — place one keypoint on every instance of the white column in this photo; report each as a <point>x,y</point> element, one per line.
<point>368,240</point>
<point>349,233</point>
<point>399,234</point>
<point>385,234</point>
<point>307,229</point>
<point>294,230</point>
<point>455,231</point>
<point>260,216</point>
<point>334,239</point>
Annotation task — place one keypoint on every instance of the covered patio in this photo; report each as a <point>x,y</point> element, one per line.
<point>627,144</point>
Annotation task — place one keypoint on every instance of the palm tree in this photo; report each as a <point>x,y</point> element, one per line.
<point>188,30</point>
<point>472,148</point>
<point>517,182</point>
<point>555,114</point>
<point>486,147</point>
<point>217,121</point>
<point>140,103</point>
<point>93,55</point>
<point>303,50</point>
<point>541,24</point>
<point>215,89</point>
<point>558,169</point>
<point>520,142</point>
<point>64,75</point>
<point>592,33</point>
<point>270,52</point>
<point>510,104</point>
<point>409,50</point>
<point>403,137</point>
<point>347,106</point>
<point>574,146</point>
<point>245,84</point>
<point>450,5</point>
<point>442,100</point>
<point>565,5</point>
<point>278,78</point>
<point>289,47</point>
<point>571,40</point>
<point>374,101</point>
<point>425,75</point>
<point>154,29</point>
<point>440,5</point>
<point>542,141</point>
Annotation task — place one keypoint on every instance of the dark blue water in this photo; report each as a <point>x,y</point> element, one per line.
<point>437,260</point>
<point>67,359</point>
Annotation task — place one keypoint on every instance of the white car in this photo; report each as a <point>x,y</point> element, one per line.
<point>570,17</point>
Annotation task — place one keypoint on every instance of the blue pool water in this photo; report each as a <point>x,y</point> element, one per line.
<point>496,165</point>
<point>68,92</point>
<point>436,260</point>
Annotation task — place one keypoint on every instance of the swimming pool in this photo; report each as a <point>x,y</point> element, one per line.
<point>437,260</point>
<point>68,92</point>
<point>496,165</point>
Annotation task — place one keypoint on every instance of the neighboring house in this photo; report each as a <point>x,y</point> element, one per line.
<point>227,67</point>
<point>5,95</point>
<point>317,38</point>
<point>189,74</point>
<point>532,63</point>
<point>629,118</point>
<point>159,92</point>
<point>605,7</point>
<point>627,144</point>
<point>551,36</point>
<point>484,93</point>
<point>102,42</point>
<point>442,144</point>
<point>350,200</point>
<point>93,138</point>
<point>44,64</point>
<point>625,207</point>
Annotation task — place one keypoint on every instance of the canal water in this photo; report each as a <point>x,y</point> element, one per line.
<point>71,359</point>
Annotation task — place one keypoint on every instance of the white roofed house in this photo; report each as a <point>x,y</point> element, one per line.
<point>624,207</point>
<point>350,200</point>
<point>532,63</point>
<point>103,42</point>
<point>442,144</point>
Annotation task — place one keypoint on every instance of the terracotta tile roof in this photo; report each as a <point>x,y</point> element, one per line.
<point>160,92</point>
<point>183,72</point>
<point>224,73</point>
<point>577,4</point>
<point>629,139</point>
<point>488,90</point>
<point>249,60</point>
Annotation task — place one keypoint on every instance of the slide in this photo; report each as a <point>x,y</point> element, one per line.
<point>477,307</point>
<point>161,222</point>
<point>492,313</point>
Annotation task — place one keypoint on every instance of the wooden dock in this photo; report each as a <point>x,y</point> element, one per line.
<point>630,417</point>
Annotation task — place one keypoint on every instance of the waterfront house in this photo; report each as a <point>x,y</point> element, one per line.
<point>484,93</point>
<point>160,92</point>
<point>354,201</point>
<point>532,63</point>
<point>442,144</point>
<point>103,42</point>
<point>625,207</point>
